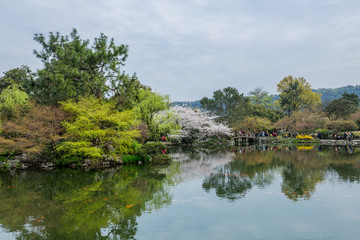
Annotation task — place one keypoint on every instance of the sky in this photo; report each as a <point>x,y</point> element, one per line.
<point>188,49</point>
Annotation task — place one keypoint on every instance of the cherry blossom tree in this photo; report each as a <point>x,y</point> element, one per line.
<point>197,127</point>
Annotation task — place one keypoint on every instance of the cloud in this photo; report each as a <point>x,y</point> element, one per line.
<point>189,49</point>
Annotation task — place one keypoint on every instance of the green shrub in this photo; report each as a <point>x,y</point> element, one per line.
<point>341,125</point>
<point>325,133</point>
<point>134,159</point>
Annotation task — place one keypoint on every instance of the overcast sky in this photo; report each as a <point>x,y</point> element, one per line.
<point>190,48</point>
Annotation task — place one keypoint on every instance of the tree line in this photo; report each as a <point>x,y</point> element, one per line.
<point>80,104</point>
<point>297,109</point>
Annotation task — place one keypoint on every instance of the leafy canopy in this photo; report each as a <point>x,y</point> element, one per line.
<point>341,108</point>
<point>228,104</point>
<point>73,67</point>
<point>151,103</point>
<point>296,95</point>
<point>98,129</point>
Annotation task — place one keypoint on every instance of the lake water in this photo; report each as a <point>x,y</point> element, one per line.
<point>235,193</point>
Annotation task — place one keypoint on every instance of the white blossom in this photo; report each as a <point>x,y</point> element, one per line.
<point>197,126</point>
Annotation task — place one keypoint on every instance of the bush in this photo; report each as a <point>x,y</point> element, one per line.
<point>304,137</point>
<point>325,133</point>
<point>341,125</point>
<point>134,159</point>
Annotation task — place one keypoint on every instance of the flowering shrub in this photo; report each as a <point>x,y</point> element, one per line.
<point>197,127</point>
<point>304,137</point>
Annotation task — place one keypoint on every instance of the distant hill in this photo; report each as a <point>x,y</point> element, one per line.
<point>327,95</point>
<point>192,104</point>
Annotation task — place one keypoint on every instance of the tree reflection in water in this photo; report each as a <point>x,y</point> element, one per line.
<point>75,204</point>
<point>301,169</point>
<point>78,204</point>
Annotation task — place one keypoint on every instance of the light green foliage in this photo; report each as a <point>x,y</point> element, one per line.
<point>152,103</point>
<point>98,129</point>
<point>165,124</point>
<point>73,67</point>
<point>296,95</point>
<point>12,100</point>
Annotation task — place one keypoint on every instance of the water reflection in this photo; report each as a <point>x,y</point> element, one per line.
<point>73,204</point>
<point>236,171</point>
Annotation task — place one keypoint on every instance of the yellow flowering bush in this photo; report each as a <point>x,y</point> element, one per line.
<point>304,137</point>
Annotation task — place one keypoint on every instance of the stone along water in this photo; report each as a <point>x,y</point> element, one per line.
<point>240,193</point>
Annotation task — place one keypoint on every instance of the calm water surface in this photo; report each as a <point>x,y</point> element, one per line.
<point>239,193</point>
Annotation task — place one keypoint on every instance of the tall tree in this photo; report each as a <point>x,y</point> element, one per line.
<point>342,107</point>
<point>259,96</point>
<point>21,77</point>
<point>228,104</point>
<point>296,95</point>
<point>73,67</point>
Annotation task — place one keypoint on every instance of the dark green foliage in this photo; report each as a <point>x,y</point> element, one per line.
<point>342,107</point>
<point>152,149</point>
<point>228,104</point>
<point>324,132</point>
<point>73,68</point>
<point>128,94</point>
<point>21,77</point>
<point>329,94</point>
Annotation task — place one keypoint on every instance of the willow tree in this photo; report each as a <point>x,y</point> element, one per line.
<point>73,67</point>
<point>296,95</point>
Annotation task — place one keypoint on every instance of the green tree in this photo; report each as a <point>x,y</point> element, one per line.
<point>259,96</point>
<point>73,68</point>
<point>128,93</point>
<point>296,95</point>
<point>341,108</point>
<point>98,129</point>
<point>152,103</point>
<point>20,77</point>
<point>13,101</point>
<point>228,104</point>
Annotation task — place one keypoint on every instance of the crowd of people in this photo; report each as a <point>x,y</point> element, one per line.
<point>274,133</point>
